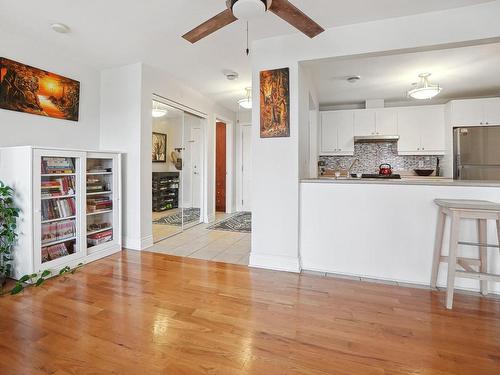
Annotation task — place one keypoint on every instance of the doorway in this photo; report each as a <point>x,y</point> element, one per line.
<point>220,167</point>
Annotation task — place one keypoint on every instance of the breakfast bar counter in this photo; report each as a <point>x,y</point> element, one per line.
<point>385,229</point>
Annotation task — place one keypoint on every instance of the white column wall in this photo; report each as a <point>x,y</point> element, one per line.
<point>275,238</point>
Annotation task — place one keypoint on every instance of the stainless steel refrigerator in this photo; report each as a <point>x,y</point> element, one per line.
<point>477,153</point>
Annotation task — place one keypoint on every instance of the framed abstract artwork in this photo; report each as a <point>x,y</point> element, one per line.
<point>275,103</point>
<point>31,90</point>
<point>159,148</point>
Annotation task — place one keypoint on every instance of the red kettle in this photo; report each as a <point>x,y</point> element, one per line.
<point>385,169</point>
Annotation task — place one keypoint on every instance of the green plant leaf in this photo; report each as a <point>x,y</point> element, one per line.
<point>17,289</point>
<point>46,273</point>
<point>24,278</point>
<point>39,281</point>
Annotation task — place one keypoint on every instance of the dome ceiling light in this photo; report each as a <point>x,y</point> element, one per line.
<point>424,89</point>
<point>246,103</point>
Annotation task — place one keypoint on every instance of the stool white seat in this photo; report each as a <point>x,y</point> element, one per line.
<point>458,209</point>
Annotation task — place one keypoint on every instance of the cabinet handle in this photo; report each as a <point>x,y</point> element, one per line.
<point>481,123</point>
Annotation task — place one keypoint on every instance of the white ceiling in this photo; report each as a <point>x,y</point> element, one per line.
<point>108,33</point>
<point>462,72</point>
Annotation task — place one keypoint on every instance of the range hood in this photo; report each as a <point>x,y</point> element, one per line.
<point>376,138</point>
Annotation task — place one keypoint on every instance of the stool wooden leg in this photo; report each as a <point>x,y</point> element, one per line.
<point>452,259</point>
<point>438,246</point>
<point>483,252</point>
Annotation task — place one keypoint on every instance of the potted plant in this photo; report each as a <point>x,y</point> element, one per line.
<point>8,225</point>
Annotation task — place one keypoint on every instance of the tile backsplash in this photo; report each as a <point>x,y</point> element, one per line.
<point>371,155</point>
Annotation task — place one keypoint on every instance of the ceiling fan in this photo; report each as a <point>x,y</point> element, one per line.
<point>247,9</point>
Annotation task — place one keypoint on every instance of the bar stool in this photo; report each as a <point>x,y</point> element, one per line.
<point>458,209</point>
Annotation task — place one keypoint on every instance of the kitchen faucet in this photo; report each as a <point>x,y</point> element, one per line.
<point>351,167</point>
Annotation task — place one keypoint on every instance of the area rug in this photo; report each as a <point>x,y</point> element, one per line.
<point>190,215</point>
<point>240,222</point>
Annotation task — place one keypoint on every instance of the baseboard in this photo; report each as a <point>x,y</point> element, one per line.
<point>138,243</point>
<point>275,262</point>
<point>147,242</point>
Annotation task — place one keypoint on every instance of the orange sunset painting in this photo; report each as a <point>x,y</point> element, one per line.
<point>35,91</point>
<point>275,103</point>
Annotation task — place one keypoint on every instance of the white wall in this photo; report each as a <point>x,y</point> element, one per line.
<point>121,130</point>
<point>25,129</point>
<point>276,161</point>
<point>126,124</point>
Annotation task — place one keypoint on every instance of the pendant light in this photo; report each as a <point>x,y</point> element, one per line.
<point>247,102</point>
<point>424,89</point>
<point>158,112</point>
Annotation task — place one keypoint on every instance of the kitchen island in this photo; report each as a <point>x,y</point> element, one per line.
<point>384,229</point>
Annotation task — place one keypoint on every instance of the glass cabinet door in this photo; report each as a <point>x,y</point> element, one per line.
<point>102,197</point>
<point>57,201</point>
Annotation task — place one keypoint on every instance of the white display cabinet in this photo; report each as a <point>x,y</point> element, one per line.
<point>70,206</point>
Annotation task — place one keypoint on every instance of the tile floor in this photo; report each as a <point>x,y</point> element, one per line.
<point>201,243</point>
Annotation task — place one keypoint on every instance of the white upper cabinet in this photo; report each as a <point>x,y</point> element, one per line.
<point>421,130</point>
<point>364,122</point>
<point>337,133</point>
<point>386,121</point>
<point>475,112</point>
<point>492,111</point>
<point>382,121</point>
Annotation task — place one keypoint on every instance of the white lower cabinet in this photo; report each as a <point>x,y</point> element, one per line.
<point>337,133</point>
<point>70,206</point>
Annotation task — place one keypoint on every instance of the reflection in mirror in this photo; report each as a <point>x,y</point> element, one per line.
<point>167,145</point>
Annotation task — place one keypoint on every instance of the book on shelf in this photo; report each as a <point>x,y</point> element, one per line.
<point>55,187</point>
<point>58,231</point>
<point>99,238</point>
<point>58,209</point>
<point>56,251</point>
<point>99,204</point>
<point>57,165</point>
<point>92,227</point>
<point>99,169</point>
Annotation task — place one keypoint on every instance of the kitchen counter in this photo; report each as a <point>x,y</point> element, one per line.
<point>385,229</point>
<point>433,181</point>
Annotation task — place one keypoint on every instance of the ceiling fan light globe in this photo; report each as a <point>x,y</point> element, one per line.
<point>249,9</point>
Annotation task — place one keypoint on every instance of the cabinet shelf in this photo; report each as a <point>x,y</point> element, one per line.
<point>99,212</point>
<point>99,173</point>
<point>57,174</point>
<point>58,219</point>
<point>100,193</point>
<point>56,242</point>
<point>59,197</point>
<point>99,231</point>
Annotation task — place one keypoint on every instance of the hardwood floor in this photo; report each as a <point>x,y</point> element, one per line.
<point>147,313</point>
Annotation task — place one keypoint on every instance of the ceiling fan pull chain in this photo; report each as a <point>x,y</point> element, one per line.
<point>248,46</point>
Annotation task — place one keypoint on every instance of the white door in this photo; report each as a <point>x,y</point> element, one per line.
<point>467,112</point>
<point>345,134</point>
<point>246,168</point>
<point>387,122</point>
<point>432,128</point>
<point>364,122</point>
<point>409,130</point>
<point>196,168</point>
<point>492,111</point>
<point>328,133</point>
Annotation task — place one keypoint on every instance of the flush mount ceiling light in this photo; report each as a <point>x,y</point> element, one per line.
<point>247,102</point>
<point>424,89</point>
<point>231,75</point>
<point>158,111</point>
<point>353,79</point>
<point>60,28</point>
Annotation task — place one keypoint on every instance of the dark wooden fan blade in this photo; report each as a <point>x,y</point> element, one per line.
<point>295,17</point>
<point>211,26</point>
